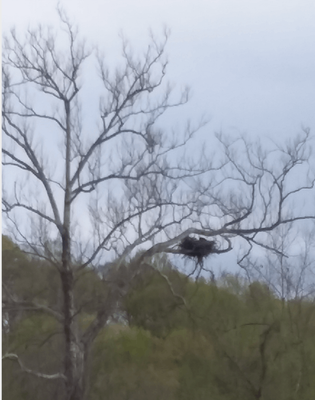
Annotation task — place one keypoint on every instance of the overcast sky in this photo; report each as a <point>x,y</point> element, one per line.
<point>250,63</point>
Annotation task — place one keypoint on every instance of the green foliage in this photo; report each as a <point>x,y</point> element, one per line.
<point>132,364</point>
<point>250,344</point>
<point>152,304</point>
<point>28,278</point>
<point>181,340</point>
<point>37,341</point>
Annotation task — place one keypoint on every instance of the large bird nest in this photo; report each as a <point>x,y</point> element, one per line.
<point>198,249</point>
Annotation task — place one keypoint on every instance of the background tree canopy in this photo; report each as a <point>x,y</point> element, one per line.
<point>223,340</point>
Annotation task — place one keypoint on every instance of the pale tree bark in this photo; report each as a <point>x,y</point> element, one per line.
<point>128,183</point>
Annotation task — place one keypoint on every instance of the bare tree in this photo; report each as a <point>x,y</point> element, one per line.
<point>289,272</point>
<point>127,183</point>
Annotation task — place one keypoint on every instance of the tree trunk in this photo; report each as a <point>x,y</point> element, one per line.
<point>75,352</point>
<point>74,365</point>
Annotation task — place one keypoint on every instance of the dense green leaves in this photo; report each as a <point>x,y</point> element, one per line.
<point>180,339</point>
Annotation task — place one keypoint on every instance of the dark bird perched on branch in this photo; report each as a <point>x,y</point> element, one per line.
<point>195,248</point>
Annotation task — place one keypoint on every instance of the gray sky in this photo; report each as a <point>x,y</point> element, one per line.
<point>250,63</point>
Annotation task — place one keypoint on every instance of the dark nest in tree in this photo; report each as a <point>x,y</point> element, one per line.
<point>197,248</point>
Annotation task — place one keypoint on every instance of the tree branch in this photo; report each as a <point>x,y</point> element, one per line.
<point>15,357</point>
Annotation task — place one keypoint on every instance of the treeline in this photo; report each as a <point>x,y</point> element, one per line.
<point>170,337</point>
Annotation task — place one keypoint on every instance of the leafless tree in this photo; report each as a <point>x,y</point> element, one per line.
<point>289,272</point>
<point>103,191</point>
